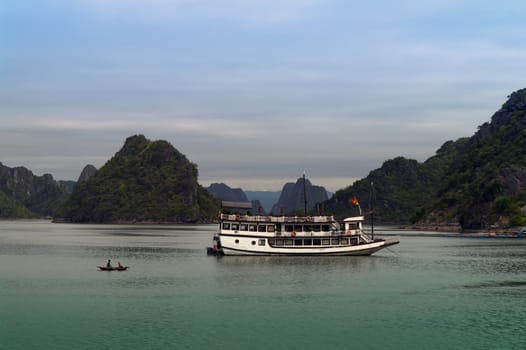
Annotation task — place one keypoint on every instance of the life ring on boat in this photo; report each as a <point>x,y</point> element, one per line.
<point>293,234</point>
<point>348,233</point>
<point>267,219</point>
<point>238,217</point>
<point>307,219</point>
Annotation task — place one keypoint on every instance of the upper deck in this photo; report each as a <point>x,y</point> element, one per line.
<point>276,219</point>
<point>238,220</point>
<point>283,226</point>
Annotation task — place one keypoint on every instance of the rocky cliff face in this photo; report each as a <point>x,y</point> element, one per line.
<point>67,186</point>
<point>88,171</point>
<point>223,192</point>
<point>40,195</point>
<point>266,198</point>
<point>292,198</point>
<point>489,171</point>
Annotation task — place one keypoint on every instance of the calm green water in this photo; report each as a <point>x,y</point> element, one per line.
<point>426,293</point>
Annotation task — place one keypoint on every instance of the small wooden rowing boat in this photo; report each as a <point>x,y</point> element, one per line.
<point>113,268</point>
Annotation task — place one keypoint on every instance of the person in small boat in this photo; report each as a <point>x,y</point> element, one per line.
<point>119,265</point>
<point>108,264</point>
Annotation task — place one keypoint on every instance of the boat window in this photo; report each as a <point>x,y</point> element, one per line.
<point>253,242</point>
<point>235,227</point>
<point>316,228</point>
<point>308,242</point>
<point>252,228</point>
<point>261,242</point>
<point>307,228</point>
<point>353,226</point>
<point>262,228</point>
<point>288,242</point>
<point>271,242</point>
<point>237,241</point>
<point>289,228</point>
<point>326,228</point>
<point>226,226</point>
<point>298,242</point>
<point>316,241</point>
<point>325,242</point>
<point>243,227</point>
<point>298,228</point>
<point>335,241</point>
<point>270,228</point>
<point>345,241</point>
<point>279,242</point>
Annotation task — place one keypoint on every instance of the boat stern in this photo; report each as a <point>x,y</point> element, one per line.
<point>216,249</point>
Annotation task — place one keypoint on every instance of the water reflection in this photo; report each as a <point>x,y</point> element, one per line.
<point>314,263</point>
<point>499,284</point>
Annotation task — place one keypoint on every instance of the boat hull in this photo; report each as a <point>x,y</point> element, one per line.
<point>235,245</point>
<point>105,268</point>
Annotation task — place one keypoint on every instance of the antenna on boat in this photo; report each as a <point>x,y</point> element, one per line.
<point>304,193</point>
<point>371,205</point>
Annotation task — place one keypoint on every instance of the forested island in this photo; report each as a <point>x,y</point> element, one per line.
<point>146,181</point>
<point>471,183</point>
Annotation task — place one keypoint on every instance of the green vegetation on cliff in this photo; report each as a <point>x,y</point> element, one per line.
<point>486,183</point>
<point>146,181</point>
<point>9,209</point>
<point>474,182</point>
<point>27,195</point>
<point>401,187</point>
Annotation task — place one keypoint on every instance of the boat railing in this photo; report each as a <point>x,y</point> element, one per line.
<point>277,219</point>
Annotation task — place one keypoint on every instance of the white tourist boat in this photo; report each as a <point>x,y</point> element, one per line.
<point>245,234</point>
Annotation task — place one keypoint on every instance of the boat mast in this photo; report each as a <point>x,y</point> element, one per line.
<point>304,193</point>
<point>371,205</point>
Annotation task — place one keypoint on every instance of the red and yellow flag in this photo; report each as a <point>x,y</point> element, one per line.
<point>355,201</point>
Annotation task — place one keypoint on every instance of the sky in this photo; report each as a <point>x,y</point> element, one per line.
<point>254,92</point>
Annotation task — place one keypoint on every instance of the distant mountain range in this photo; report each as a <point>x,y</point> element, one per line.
<point>266,198</point>
<point>223,192</point>
<point>474,183</point>
<point>288,201</point>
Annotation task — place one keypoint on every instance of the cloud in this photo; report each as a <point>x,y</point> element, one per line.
<point>219,128</point>
<point>253,89</point>
<point>245,11</point>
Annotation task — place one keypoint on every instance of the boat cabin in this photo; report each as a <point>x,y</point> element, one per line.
<point>353,225</point>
